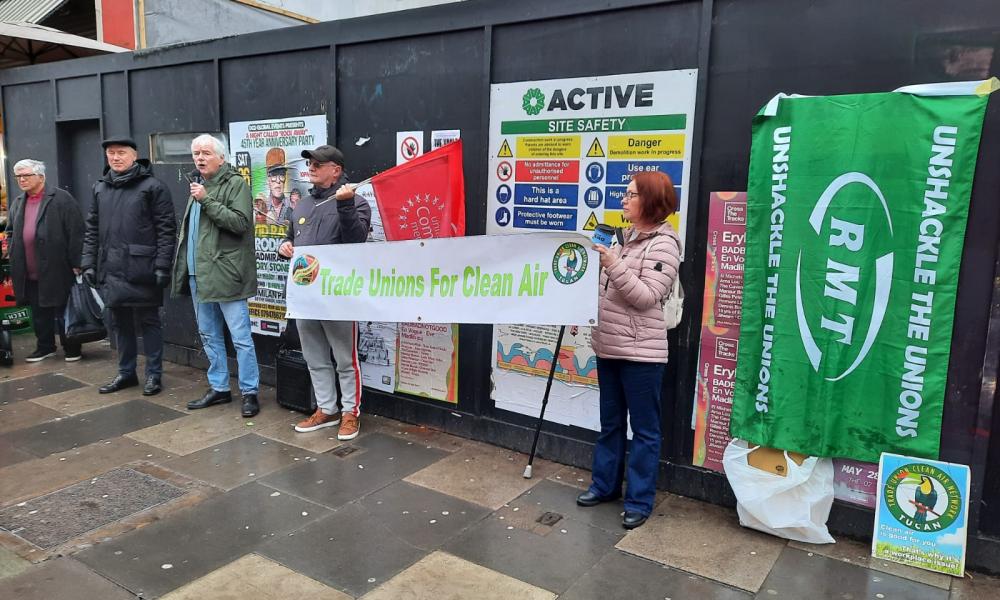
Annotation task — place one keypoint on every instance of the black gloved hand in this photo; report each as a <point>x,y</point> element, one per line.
<point>162,278</point>
<point>90,277</point>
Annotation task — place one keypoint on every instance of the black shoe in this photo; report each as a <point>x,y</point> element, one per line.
<point>250,406</point>
<point>589,498</point>
<point>120,382</point>
<point>211,398</point>
<point>39,355</point>
<point>73,354</point>
<point>152,386</point>
<point>633,519</point>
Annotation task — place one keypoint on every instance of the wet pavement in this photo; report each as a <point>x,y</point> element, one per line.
<point>118,496</point>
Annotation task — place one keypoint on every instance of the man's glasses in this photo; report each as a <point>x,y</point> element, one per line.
<point>25,176</point>
<point>316,164</point>
<point>280,176</point>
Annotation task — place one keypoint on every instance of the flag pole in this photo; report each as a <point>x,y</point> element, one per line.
<point>545,402</point>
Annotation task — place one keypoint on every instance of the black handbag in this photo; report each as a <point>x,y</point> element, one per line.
<point>84,316</point>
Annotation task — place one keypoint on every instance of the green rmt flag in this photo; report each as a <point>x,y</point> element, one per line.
<point>857,207</point>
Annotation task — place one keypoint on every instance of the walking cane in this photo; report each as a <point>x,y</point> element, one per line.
<point>545,402</point>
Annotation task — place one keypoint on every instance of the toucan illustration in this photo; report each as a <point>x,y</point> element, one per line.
<point>924,498</point>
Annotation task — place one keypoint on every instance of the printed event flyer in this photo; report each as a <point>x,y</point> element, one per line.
<point>267,154</point>
<point>426,352</point>
<point>922,513</point>
<point>720,329</point>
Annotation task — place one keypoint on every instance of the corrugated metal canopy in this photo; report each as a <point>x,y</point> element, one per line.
<point>28,11</point>
<point>24,44</point>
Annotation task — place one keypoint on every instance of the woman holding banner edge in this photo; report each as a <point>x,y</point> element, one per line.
<point>630,341</point>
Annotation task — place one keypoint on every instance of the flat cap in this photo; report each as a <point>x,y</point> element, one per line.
<point>119,141</point>
<point>325,153</point>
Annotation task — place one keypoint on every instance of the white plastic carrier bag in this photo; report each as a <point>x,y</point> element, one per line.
<point>794,507</point>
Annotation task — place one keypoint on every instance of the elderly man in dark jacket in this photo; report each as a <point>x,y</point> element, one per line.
<point>45,230</point>
<point>127,251</point>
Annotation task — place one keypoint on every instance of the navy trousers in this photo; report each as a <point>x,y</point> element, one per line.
<point>630,393</point>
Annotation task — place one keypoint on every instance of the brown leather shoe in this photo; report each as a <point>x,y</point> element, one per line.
<point>318,420</point>
<point>349,427</point>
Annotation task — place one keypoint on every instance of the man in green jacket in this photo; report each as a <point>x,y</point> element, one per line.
<point>216,265</point>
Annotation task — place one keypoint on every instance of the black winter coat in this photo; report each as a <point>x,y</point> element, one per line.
<point>131,230</point>
<point>58,241</point>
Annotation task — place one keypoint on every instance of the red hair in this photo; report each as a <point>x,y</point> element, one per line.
<point>659,199</point>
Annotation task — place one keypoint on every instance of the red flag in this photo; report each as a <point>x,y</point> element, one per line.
<point>425,197</point>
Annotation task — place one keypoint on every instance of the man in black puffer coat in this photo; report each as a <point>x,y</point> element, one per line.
<point>127,251</point>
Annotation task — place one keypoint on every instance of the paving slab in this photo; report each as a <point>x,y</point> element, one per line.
<point>621,575</point>
<point>976,586</point>
<point>578,478</point>
<point>42,384</point>
<point>62,515</point>
<point>706,540</point>
<point>72,432</point>
<point>422,517</point>
<point>798,575</point>
<point>859,553</point>
<point>29,479</point>
<point>377,461</point>
<point>202,429</point>
<point>254,577</point>
<point>553,562</point>
<point>61,579</point>
<point>552,498</point>
<point>11,564</point>
<point>441,576</point>
<point>418,434</point>
<point>231,464</point>
<point>485,475</point>
<point>349,550</point>
<point>20,415</point>
<point>82,400</point>
<point>10,454</point>
<point>165,555</point>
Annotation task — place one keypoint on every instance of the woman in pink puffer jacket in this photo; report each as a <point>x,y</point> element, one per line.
<point>630,341</point>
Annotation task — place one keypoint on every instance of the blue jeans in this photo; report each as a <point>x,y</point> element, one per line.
<point>235,315</point>
<point>123,319</point>
<point>630,393</point>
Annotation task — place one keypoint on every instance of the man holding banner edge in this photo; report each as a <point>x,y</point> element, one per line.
<point>330,214</point>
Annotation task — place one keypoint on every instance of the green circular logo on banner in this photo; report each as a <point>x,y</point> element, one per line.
<point>922,497</point>
<point>569,263</point>
<point>305,269</point>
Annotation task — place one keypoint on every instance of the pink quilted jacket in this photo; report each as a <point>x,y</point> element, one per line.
<point>630,314</point>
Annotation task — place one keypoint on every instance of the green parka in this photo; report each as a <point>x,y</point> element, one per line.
<point>225,261</point>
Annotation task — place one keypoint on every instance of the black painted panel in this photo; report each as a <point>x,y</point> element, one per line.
<point>114,99</point>
<point>275,86</point>
<point>654,38</point>
<point>29,116</point>
<point>79,97</point>
<point>173,100</point>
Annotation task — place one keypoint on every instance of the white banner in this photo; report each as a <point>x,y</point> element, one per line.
<point>540,278</point>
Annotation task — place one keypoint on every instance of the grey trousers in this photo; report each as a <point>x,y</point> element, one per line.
<point>318,339</point>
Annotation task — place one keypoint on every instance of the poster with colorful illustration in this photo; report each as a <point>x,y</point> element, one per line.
<point>922,513</point>
<point>528,349</point>
<point>720,327</point>
<point>267,154</point>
